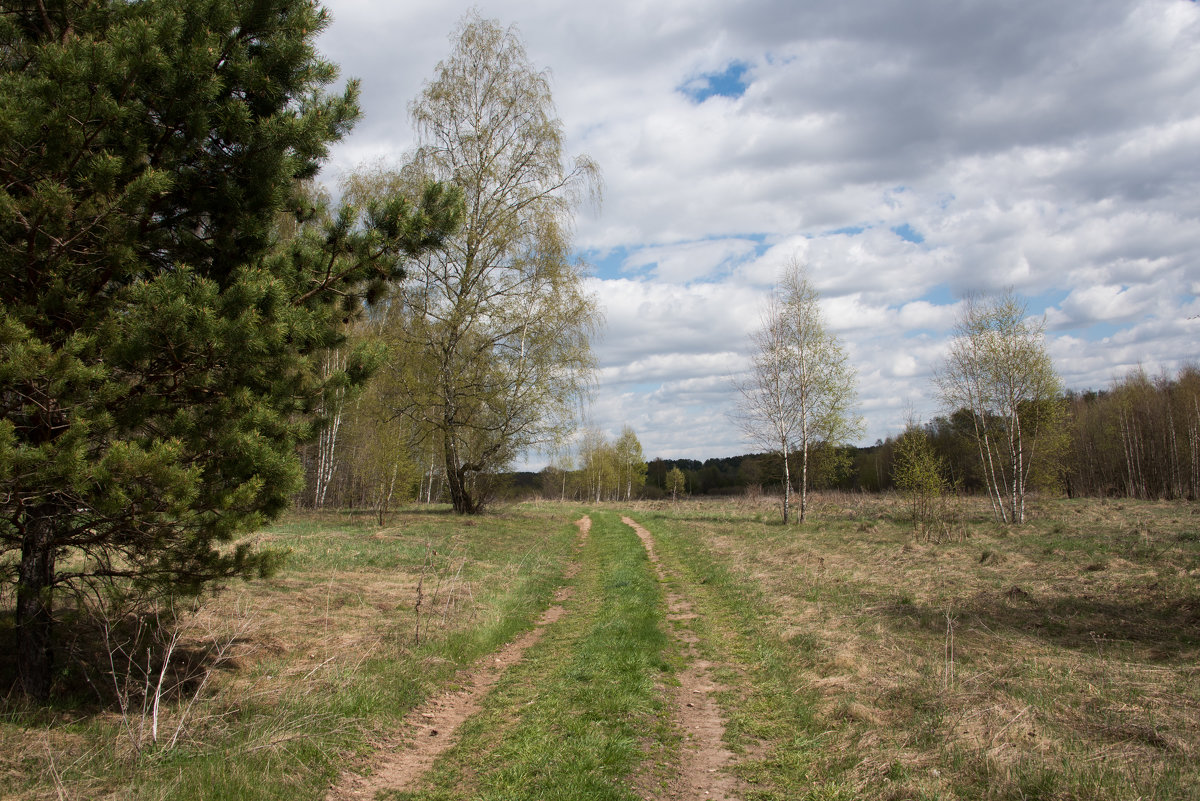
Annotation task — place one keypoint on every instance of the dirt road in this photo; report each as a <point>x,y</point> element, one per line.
<point>693,765</point>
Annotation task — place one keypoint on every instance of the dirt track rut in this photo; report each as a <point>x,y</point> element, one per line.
<point>702,773</point>
<point>430,730</point>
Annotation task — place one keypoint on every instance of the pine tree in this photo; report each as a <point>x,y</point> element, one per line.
<point>157,335</point>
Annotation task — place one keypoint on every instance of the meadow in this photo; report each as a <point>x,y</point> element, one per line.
<point>846,658</point>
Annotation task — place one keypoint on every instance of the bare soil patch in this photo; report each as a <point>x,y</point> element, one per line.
<point>704,758</point>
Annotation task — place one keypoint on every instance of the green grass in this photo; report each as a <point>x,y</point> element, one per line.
<point>326,661</point>
<point>568,722</point>
<point>1073,672</point>
<point>763,703</point>
<point>1064,681</point>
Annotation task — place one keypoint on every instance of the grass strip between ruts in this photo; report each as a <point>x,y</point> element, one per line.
<point>767,712</point>
<point>569,721</point>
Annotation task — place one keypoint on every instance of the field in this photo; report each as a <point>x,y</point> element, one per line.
<point>654,651</point>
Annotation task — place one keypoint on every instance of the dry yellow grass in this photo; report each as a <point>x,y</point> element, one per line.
<point>1056,660</point>
<point>302,669</point>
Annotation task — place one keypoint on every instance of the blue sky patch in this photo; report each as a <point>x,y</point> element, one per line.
<point>698,261</point>
<point>849,230</point>
<point>1039,304</point>
<point>730,82</point>
<point>1097,332</point>
<point>941,295</point>
<point>908,233</point>
<point>609,265</point>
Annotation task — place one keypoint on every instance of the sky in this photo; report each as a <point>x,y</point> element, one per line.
<point>907,153</point>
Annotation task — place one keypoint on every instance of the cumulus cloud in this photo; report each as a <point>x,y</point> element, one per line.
<point>908,154</point>
<point>690,261</point>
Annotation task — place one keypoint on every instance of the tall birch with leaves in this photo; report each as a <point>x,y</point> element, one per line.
<point>498,323</point>
<point>999,371</point>
<point>767,403</point>
<point>632,463</point>
<point>801,390</point>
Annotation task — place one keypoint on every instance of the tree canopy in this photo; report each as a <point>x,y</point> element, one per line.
<point>999,371</point>
<point>158,335</point>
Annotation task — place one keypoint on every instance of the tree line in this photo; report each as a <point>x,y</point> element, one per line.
<point>597,469</point>
<point>1137,438</point>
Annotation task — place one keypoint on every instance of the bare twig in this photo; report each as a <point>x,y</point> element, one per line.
<point>948,673</point>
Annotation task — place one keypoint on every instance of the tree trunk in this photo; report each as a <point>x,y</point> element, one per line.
<point>1194,444</point>
<point>804,480</point>
<point>326,456</point>
<point>1176,474</point>
<point>456,477</point>
<point>385,497</point>
<point>34,618</point>
<point>1018,471</point>
<point>787,485</point>
<point>995,491</point>
<point>327,440</point>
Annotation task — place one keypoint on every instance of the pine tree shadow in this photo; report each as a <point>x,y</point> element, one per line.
<point>126,663</point>
<point>1148,627</point>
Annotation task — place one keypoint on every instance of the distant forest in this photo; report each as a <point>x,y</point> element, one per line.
<point>1138,439</point>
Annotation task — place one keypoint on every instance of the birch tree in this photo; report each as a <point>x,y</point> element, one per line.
<point>498,323</point>
<point>998,370</point>
<point>331,410</point>
<point>767,407</point>
<point>632,462</point>
<point>593,461</point>
<point>676,483</point>
<point>802,389</point>
<point>825,385</point>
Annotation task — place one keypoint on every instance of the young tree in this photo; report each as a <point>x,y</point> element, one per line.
<point>326,444</point>
<point>768,406</point>
<point>998,370</point>
<point>158,340</point>
<point>801,389</point>
<point>920,476</point>
<point>499,325</point>
<point>601,470</point>
<point>382,452</point>
<point>631,462</point>
<point>823,380</point>
<point>676,483</point>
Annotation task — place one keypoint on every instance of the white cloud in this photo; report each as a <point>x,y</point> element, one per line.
<point>690,370</point>
<point>690,261</point>
<point>1105,304</point>
<point>1031,146</point>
